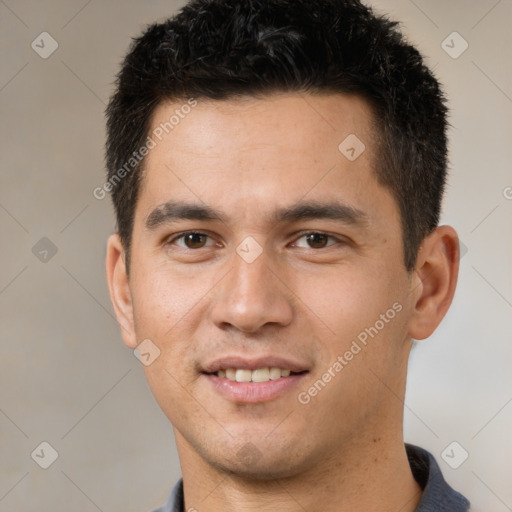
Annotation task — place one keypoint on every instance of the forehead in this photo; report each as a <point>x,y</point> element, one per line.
<point>262,153</point>
<point>298,122</point>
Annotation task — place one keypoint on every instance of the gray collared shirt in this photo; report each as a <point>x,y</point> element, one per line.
<point>437,496</point>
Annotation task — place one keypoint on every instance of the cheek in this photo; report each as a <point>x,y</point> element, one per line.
<point>344,299</point>
<point>166,309</point>
<point>351,304</point>
<point>162,299</point>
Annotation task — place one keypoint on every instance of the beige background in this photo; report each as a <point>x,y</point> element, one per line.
<point>66,377</point>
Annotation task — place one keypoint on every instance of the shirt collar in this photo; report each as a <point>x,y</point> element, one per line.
<point>437,494</point>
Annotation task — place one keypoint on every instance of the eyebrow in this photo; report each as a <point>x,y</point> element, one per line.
<point>304,210</point>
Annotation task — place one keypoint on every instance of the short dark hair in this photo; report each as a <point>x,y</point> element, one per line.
<point>223,49</point>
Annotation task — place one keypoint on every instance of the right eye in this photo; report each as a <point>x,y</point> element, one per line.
<point>191,240</point>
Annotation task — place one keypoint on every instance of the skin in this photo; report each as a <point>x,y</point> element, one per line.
<point>343,451</point>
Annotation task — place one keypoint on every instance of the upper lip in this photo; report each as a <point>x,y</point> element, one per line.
<point>245,363</point>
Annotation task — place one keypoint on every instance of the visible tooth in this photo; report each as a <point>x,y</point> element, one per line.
<point>261,375</point>
<point>258,375</point>
<point>275,373</point>
<point>243,375</point>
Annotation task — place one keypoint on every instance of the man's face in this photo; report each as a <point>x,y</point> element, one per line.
<point>259,288</point>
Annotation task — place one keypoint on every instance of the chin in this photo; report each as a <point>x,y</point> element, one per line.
<point>264,464</point>
<point>261,471</point>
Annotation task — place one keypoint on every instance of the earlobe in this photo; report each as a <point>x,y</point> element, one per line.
<point>119,289</point>
<point>435,281</point>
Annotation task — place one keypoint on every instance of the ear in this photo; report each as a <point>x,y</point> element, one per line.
<point>433,286</point>
<point>119,288</point>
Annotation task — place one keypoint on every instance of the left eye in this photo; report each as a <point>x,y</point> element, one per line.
<point>192,240</point>
<point>316,240</point>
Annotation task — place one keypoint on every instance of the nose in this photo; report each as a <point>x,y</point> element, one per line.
<point>252,296</point>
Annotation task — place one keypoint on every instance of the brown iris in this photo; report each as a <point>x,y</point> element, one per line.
<point>194,240</point>
<point>317,240</point>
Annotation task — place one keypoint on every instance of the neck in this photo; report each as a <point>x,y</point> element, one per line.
<point>372,475</point>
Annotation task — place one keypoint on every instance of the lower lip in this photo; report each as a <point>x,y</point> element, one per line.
<point>253,392</point>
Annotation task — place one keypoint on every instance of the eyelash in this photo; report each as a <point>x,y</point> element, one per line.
<point>300,235</point>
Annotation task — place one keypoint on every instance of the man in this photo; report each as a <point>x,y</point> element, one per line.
<point>277,170</point>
